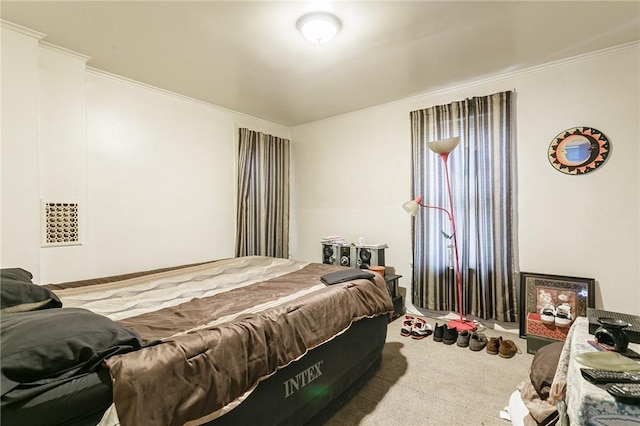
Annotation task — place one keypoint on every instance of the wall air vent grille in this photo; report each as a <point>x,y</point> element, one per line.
<point>61,225</point>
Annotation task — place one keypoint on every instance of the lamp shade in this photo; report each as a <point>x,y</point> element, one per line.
<point>319,27</point>
<point>444,146</point>
<point>412,206</point>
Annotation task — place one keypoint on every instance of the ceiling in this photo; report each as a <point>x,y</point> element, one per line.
<point>249,56</point>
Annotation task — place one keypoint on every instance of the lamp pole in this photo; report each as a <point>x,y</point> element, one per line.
<point>460,324</point>
<point>443,148</point>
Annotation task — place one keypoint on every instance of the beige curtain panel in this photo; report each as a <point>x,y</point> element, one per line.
<point>482,170</point>
<point>263,195</point>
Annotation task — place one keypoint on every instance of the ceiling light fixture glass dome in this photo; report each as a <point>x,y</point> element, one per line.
<point>319,27</point>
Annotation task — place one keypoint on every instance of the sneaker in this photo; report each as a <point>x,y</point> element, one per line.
<point>563,316</point>
<point>449,336</point>
<point>548,314</point>
<point>493,346</point>
<point>438,333</point>
<point>420,329</point>
<point>479,326</point>
<point>407,325</point>
<point>463,339</point>
<point>508,349</point>
<point>478,341</point>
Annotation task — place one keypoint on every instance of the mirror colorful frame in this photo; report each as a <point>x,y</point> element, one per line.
<point>579,150</point>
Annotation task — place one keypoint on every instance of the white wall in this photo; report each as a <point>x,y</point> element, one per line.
<point>353,174</point>
<point>584,225</point>
<point>162,176</point>
<point>62,153</point>
<point>20,196</point>
<point>161,179</point>
<point>154,172</point>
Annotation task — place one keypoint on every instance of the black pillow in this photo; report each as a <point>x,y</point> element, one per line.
<point>44,345</point>
<point>16,274</point>
<point>345,275</point>
<point>19,294</point>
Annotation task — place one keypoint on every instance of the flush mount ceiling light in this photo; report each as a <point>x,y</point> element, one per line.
<point>319,27</point>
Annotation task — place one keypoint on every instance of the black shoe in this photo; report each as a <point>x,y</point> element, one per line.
<point>450,336</point>
<point>438,332</point>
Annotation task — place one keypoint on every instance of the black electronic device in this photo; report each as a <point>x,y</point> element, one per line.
<point>632,331</point>
<point>627,393</point>
<point>369,256</point>
<point>330,255</point>
<point>598,376</point>
<point>347,255</point>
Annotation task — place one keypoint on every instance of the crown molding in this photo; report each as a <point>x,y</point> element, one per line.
<point>495,78</point>
<point>166,92</point>
<point>64,51</point>
<point>21,29</point>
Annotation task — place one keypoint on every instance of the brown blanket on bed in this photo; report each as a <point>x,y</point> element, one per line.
<point>217,348</point>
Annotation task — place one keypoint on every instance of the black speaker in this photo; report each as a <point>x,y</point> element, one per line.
<point>367,256</point>
<point>330,254</point>
<point>347,256</point>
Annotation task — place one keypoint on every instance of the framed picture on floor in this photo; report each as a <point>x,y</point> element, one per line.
<point>546,297</point>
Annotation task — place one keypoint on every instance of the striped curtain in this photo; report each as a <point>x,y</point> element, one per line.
<point>482,180</point>
<point>263,195</point>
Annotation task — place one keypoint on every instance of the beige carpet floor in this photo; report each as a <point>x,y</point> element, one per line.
<point>423,382</point>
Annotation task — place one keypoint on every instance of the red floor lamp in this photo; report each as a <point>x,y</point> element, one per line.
<point>444,148</point>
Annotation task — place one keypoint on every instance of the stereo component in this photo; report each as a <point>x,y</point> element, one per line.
<point>330,255</point>
<point>369,256</point>
<point>336,251</point>
<point>347,255</point>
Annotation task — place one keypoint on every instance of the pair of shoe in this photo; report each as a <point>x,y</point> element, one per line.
<point>463,339</point>
<point>476,341</point>
<point>559,316</point>
<point>444,334</point>
<point>502,347</point>
<point>415,327</point>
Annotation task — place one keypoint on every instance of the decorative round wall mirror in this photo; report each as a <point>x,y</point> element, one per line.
<point>578,150</point>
